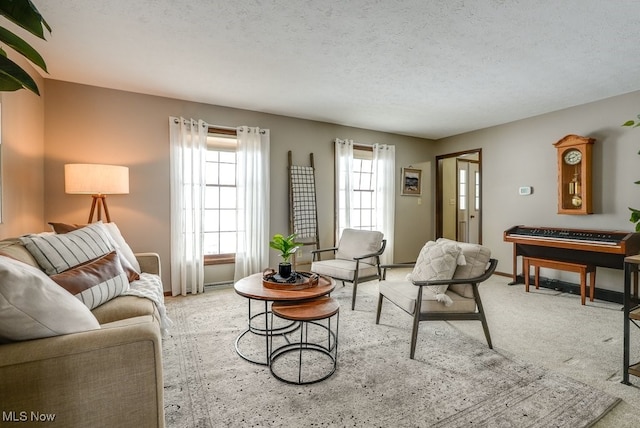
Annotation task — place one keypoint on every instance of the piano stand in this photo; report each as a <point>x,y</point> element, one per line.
<point>582,269</point>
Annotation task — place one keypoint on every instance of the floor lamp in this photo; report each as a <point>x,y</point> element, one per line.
<point>98,181</point>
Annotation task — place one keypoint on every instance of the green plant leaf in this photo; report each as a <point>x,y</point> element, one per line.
<point>13,74</point>
<point>9,84</point>
<point>629,123</point>
<point>287,246</point>
<point>26,15</point>
<point>22,48</point>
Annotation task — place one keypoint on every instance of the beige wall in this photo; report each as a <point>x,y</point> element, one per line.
<point>22,160</point>
<point>522,154</point>
<point>411,232</point>
<point>77,123</point>
<point>97,125</point>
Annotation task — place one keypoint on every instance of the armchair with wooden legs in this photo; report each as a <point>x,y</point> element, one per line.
<point>356,258</point>
<point>462,298</point>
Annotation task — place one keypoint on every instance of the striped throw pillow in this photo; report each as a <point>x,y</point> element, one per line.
<point>95,282</point>
<point>57,253</point>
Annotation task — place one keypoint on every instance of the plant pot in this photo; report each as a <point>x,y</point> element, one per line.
<point>284,270</point>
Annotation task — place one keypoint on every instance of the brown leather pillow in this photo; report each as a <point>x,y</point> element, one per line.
<point>132,274</point>
<point>64,227</point>
<point>104,275</point>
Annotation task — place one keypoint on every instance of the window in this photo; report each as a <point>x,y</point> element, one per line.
<point>477,194</point>
<point>220,197</point>
<point>462,189</point>
<point>363,198</point>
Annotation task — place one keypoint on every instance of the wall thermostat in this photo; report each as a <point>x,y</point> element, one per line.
<point>525,190</point>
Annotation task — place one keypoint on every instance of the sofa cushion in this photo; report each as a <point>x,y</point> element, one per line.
<point>32,306</point>
<point>56,253</point>
<point>127,258</point>
<point>13,248</point>
<point>125,307</point>
<point>95,282</point>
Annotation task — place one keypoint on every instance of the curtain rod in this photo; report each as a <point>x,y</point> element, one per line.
<point>225,129</point>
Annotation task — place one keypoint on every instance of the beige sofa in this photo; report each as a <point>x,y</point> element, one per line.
<point>107,377</point>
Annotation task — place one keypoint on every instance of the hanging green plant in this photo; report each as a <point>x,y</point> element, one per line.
<point>635,213</point>
<point>26,15</point>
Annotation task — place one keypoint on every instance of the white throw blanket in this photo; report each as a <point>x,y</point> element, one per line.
<point>150,286</point>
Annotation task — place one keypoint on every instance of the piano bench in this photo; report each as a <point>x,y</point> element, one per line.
<point>581,268</point>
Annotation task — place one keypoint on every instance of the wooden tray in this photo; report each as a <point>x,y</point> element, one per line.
<point>305,280</point>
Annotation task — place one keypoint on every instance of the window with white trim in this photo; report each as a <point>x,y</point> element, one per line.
<point>363,198</point>
<point>220,206</point>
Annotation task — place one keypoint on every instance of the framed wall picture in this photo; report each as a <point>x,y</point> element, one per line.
<point>411,182</point>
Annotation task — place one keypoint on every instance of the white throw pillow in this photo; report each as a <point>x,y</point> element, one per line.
<point>437,261</point>
<point>127,257</point>
<point>32,306</point>
<point>56,253</point>
<point>477,259</point>
<point>122,245</point>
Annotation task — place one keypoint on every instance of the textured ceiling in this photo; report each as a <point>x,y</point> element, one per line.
<point>425,68</point>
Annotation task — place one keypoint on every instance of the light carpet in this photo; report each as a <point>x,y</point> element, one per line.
<point>454,381</point>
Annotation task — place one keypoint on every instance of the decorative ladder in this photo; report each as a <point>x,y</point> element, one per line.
<point>303,210</point>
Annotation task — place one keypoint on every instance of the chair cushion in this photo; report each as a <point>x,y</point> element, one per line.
<point>404,295</point>
<point>477,258</point>
<point>437,261</point>
<point>343,269</point>
<point>356,243</point>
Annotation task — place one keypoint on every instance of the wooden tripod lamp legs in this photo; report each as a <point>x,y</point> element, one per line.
<point>100,201</point>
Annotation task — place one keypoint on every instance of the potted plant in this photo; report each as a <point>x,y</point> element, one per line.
<point>287,247</point>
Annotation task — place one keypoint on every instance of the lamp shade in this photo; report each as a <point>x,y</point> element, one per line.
<point>96,179</point>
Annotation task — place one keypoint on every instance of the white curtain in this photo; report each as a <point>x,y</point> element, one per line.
<point>344,174</point>
<point>252,184</point>
<point>384,161</point>
<point>188,139</point>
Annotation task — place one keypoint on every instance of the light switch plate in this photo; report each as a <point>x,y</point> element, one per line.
<point>525,190</point>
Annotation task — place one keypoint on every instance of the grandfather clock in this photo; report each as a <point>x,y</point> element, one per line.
<point>574,174</point>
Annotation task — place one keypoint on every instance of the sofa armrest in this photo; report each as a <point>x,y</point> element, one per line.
<point>106,377</point>
<point>150,263</point>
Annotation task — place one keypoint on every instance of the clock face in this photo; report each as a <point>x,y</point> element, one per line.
<point>573,157</point>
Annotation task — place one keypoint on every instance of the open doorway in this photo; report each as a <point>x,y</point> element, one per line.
<point>459,196</point>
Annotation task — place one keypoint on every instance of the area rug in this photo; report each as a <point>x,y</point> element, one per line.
<point>455,381</point>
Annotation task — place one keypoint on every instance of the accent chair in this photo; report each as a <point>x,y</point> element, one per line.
<point>442,286</point>
<point>356,258</point>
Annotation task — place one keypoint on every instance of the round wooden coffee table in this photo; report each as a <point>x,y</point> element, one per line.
<point>252,288</point>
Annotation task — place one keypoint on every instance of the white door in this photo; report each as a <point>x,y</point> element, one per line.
<point>468,201</point>
<point>474,203</point>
